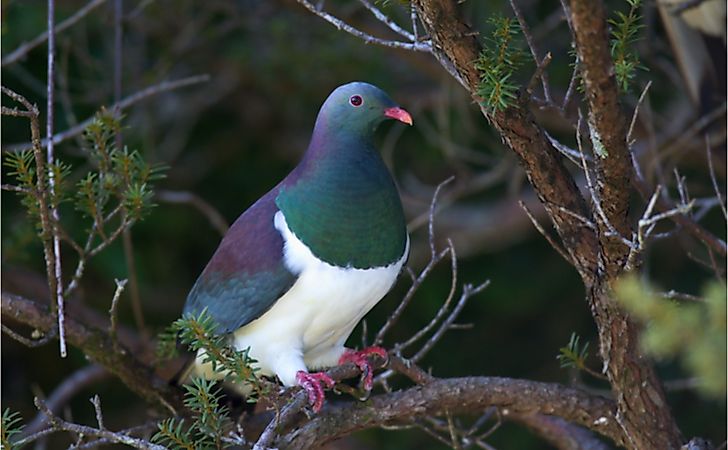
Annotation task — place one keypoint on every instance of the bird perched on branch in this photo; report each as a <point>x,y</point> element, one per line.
<point>300,268</point>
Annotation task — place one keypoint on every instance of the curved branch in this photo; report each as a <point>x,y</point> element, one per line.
<point>164,86</point>
<point>458,396</point>
<point>97,345</point>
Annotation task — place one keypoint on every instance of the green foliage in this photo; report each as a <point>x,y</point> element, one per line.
<point>10,427</point>
<point>209,424</point>
<point>119,185</point>
<point>22,168</point>
<point>501,57</point>
<point>198,333</point>
<point>693,332</point>
<point>121,179</point>
<point>574,354</point>
<point>625,32</point>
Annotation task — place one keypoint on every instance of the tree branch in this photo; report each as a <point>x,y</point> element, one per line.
<point>164,86</point>
<point>455,42</point>
<point>457,396</point>
<point>97,345</point>
<point>26,47</point>
<point>643,410</point>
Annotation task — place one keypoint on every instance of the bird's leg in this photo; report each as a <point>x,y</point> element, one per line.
<point>361,359</point>
<point>311,383</point>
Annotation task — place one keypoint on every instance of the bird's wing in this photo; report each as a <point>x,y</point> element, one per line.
<point>246,275</point>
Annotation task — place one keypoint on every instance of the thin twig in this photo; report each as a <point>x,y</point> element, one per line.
<point>216,219</point>
<point>443,308</point>
<point>26,47</point>
<point>50,159</point>
<point>64,392</point>
<point>592,191</point>
<point>28,342</point>
<point>159,88</point>
<point>713,180</point>
<point>540,64</point>
<point>96,401</point>
<point>115,437</point>
<point>420,46</point>
<point>41,192</point>
<point>416,283</point>
<point>468,292</point>
<point>120,284</point>
<point>569,152</point>
<point>674,295</point>
<point>431,222</point>
<point>570,90</point>
<point>385,19</point>
<point>413,18</point>
<point>543,232</point>
<point>636,113</point>
<point>14,188</point>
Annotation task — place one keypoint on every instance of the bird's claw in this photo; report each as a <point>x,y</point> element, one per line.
<point>311,383</point>
<point>361,359</point>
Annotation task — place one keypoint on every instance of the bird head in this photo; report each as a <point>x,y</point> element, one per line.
<point>359,107</point>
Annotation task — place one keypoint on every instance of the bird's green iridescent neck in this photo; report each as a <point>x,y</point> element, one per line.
<point>343,203</point>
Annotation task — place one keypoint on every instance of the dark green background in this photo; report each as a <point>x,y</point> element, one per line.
<point>271,65</point>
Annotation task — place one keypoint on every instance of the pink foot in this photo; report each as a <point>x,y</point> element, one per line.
<point>361,359</point>
<point>311,383</point>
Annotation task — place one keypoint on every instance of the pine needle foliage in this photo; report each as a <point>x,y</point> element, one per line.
<point>692,332</point>
<point>501,57</point>
<point>10,428</point>
<point>199,333</point>
<point>574,354</point>
<point>211,420</point>
<point>114,195</point>
<point>625,33</point>
<point>122,178</point>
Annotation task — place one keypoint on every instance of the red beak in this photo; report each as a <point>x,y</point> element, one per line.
<point>398,114</point>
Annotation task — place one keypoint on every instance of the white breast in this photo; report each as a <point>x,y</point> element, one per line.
<point>307,327</point>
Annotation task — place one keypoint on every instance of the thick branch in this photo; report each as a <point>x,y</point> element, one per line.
<point>607,128</point>
<point>97,345</point>
<point>644,413</point>
<point>455,42</point>
<point>457,396</point>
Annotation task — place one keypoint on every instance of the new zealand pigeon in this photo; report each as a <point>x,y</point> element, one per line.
<point>300,268</point>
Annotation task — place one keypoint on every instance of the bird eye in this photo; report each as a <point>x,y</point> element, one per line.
<point>356,100</point>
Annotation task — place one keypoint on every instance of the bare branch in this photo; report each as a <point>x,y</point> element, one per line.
<point>50,159</point>
<point>115,437</point>
<point>26,47</point>
<point>543,232</point>
<point>162,87</point>
<point>64,392</point>
<point>468,292</point>
<point>388,21</point>
<point>216,219</point>
<point>120,284</point>
<point>137,376</point>
<point>711,170</point>
<point>457,395</point>
<point>419,46</point>
<point>32,343</point>
<point>540,64</point>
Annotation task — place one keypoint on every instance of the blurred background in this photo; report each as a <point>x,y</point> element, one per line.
<point>228,140</point>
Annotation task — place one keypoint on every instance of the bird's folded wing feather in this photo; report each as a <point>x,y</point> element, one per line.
<point>246,275</point>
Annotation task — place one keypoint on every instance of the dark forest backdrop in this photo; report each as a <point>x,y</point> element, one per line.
<point>227,138</point>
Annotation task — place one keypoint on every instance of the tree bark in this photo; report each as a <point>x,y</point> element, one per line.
<point>599,257</point>
<point>97,345</point>
<point>457,396</point>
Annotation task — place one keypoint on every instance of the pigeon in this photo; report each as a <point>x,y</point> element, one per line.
<point>302,266</point>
